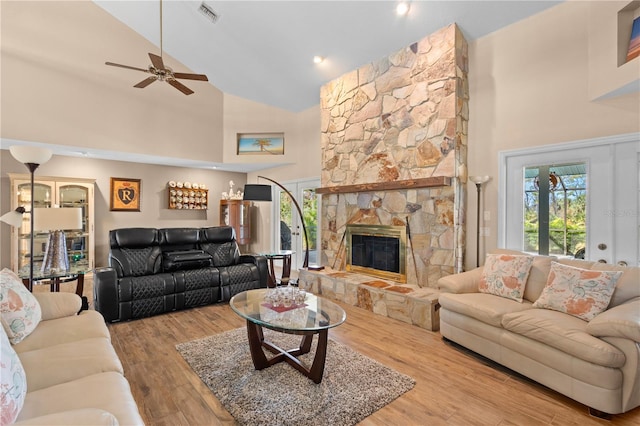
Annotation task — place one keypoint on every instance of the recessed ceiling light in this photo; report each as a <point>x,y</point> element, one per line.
<point>317,59</point>
<point>402,8</point>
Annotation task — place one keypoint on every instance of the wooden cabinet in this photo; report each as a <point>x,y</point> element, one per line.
<point>236,213</point>
<point>49,192</point>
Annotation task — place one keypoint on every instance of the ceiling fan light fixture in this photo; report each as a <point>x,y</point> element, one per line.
<point>318,59</point>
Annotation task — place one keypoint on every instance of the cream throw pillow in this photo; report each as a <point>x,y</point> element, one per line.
<point>505,275</point>
<point>19,309</point>
<point>583,293</point>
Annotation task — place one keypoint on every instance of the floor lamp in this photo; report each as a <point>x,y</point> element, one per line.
<point>257,192</point>
<point>32,157</point>
<point>479,181</point>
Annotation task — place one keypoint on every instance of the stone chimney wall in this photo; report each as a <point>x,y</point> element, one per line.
<point>401,118</point>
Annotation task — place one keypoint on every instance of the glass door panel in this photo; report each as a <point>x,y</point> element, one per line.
<point>43,198</point>
<point>70,195</point>
<point>285,221</point>
<point>555,210</point>
<point>310,214</point>
<point>289,231</point>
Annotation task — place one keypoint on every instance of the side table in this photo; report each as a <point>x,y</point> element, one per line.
<point>285,256</point>
<point>73,274</point>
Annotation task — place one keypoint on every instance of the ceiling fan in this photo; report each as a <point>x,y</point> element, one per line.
<point>159,71</point>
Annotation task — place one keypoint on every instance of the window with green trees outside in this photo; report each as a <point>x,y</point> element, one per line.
<point>555,210</point>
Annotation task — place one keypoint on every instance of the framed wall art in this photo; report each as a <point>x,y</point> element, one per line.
<point>260,143</point>
<point>634,42</point>
<point>125,195</point>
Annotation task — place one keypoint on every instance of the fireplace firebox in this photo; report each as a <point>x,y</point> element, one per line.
<point>377,250</point>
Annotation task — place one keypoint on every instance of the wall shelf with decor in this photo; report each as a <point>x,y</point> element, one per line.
<point>187,196</point>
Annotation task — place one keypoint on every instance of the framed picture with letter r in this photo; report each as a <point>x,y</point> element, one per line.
<point>124,195</point>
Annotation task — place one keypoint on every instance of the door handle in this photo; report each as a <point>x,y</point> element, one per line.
<point>623,263</point>
<point>602,261</point>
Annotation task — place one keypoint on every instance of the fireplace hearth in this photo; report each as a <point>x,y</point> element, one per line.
<point>377,250</point>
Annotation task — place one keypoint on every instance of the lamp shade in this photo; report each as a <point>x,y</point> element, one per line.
<point>479,180</point>
<point>257,192</point>
<point>30,154</point>
<point>13,218</point>
<point>54,219</point>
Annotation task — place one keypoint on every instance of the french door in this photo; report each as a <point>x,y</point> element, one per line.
<point>611,170</point>
<point>288,231</point>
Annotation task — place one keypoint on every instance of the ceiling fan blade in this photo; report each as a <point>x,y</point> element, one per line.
<point>126,66</point>
<point>156,61</point>
<point>181,87</point>
<point>147,81</point>
<point>188,76</point>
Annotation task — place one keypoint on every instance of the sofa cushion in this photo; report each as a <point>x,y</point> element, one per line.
<point>483,307</point>
<point>220,243</point>
<point>82,417</point>
<point>627,286</point>
<point>13,381</point>
<point>69,361</point>
<point>19,309</point>
<point>565,333</point>
<point>583,293</point>
<point>505,275</point>
<point>85,325</point>
<point>106,391</point>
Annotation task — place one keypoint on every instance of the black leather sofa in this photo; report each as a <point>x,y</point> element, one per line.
<point>153,271</point>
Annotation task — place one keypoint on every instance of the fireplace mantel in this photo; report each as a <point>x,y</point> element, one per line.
<point>430,182</point>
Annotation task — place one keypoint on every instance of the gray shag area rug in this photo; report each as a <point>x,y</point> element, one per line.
<point>353,386</point>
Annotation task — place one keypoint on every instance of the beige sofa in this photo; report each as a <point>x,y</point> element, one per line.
<point>596,362</point>
<point>74,376</point>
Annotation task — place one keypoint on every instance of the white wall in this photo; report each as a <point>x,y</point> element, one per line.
<point>57,89</point>
<point>304,155</point>
<point>529,86</point>
<point>154,212</point>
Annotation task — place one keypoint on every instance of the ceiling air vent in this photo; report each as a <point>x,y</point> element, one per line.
<point>208,12</point>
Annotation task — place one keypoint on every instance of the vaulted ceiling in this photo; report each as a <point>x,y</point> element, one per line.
<point>263,50</point>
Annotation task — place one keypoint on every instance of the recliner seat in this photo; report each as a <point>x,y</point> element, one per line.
<point>153,271</point>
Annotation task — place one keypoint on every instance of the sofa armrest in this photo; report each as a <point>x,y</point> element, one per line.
<point>105,293</point>
<point>464,282</point>
<point>621,321</point>
<point>58,305</point>
<point>261,263</point>
<point>80,417</point>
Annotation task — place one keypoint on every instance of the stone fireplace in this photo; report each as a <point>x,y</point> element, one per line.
<point>378,250</point>
<point>394,136</point>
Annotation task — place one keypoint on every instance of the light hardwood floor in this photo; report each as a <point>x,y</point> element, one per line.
<point>453,387</point>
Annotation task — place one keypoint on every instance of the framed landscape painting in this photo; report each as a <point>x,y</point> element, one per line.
<point>260,143</point>
<point>634,42</point>
<point>124,195</point>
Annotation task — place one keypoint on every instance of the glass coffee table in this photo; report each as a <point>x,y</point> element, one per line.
<point>307,317</point>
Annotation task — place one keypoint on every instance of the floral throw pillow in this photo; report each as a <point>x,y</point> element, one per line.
<point>583,293</point>
<point>19,309</point>
<point>13,382</point>
<point>505,275</point>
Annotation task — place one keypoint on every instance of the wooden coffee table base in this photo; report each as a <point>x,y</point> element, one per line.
<point>260,361</point>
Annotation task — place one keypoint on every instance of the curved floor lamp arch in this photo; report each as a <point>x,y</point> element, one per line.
<point>258,192</point>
